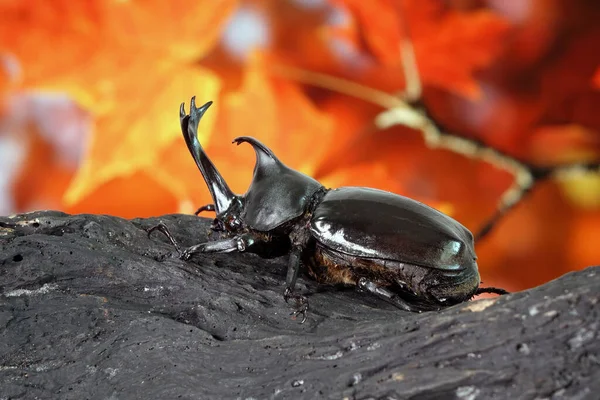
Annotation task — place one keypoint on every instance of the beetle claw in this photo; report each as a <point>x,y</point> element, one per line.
<point>298,312</point>
<point>301,303</point>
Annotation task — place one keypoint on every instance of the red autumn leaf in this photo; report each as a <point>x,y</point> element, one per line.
<point>35,190</point>
<point>582,246</point>
<point>450,45</point>
<point>4,80</point>
<point>564,144</point>
<point>596,79</point>
<point>379,24</point>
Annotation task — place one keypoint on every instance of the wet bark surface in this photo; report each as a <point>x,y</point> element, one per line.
<point>90,307</point>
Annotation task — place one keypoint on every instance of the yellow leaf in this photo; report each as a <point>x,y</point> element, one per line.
<point>583,190</point>
<point>144,124</point>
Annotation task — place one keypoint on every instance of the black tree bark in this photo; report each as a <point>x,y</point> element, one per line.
<point>92,308</point>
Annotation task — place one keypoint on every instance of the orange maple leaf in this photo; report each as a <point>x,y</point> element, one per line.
<point>563,144</point>
<point>377,26</point>
<point>450,45</point>
<point>4,81</point>
<point>129,63</point>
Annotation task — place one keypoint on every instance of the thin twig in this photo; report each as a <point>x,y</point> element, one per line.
<point>413,89</point>
<point>340,85</point>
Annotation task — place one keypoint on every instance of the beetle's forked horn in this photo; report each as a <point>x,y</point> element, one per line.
<point>220,192</point>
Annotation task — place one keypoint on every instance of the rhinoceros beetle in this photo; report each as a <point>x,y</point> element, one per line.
<point>399,249</point>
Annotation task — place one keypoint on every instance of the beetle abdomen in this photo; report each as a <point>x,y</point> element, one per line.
<point>371,223</point>
<point>429,287</point>
<point>332,267</point>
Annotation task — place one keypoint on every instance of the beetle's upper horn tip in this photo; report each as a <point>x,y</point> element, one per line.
<point>202,109</point>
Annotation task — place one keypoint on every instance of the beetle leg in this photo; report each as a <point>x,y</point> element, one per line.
<point>207,207</point>
<point>237,243</point>
<point>293,268</point>
<point>381,292</point>
<point>290,283</point>
<point>164,230</point>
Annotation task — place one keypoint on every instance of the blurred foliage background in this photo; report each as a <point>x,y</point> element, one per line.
<point>90,91</point>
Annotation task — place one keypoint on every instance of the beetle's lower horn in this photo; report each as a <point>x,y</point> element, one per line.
<point>220,192</point>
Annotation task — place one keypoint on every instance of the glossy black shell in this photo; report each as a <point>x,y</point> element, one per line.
<point>277,193</point>
<point>371,223</point>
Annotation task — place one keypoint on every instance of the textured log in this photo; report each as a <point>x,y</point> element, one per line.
<point>92,308</point>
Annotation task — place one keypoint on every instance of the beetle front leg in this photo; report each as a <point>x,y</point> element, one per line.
<point>206,207</point>
<point>290,283</point>
<point>237,243</point>
<point>383,293</point>
<point>162,228</point>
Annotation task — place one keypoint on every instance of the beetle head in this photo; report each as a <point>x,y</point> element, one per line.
<point>230,220</point>
<point>277,193</point>
<point>228,206</point>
